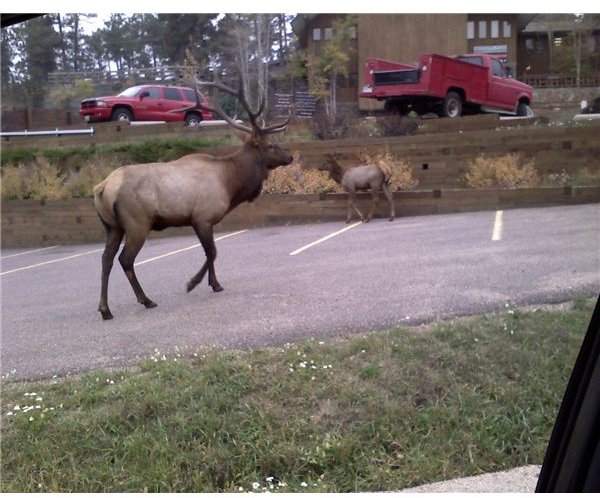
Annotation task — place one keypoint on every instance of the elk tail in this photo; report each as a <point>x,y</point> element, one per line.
<point>386,169</point>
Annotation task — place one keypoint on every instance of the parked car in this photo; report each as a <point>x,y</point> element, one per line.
<point>147,103</point>
<point>448,86</point>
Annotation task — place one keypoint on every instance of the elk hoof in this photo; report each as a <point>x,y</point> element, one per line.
<point>106,315</point>
<point>348,220</point>
<point>217,288</point>
<point>189,286</point>
<point>150,304</point>
<point>391,219</point>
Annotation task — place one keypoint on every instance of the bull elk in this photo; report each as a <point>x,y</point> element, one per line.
<point>374,177</point>
<point>196,190</point>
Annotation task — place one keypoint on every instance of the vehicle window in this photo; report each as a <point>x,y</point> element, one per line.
<point>172,94</point>
<point>498,69</point>
<point>189,94</point>
<point>154,92</point>
<point>130,92</point>
<point>472,60</point>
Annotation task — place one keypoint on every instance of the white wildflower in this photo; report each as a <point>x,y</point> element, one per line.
<point>17,408</point>
<point>269,479</point>
<point>303,484</point>
<point>31,419</point>
<point>255,485</point>
<point>9,414</point>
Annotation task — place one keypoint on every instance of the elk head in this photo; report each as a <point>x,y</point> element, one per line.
<point>270,155</point>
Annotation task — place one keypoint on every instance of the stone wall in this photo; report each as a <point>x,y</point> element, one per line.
<point>43,223</point>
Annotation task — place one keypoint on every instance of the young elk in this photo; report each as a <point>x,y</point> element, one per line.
<point>374,177</point>
<point>197,190</point>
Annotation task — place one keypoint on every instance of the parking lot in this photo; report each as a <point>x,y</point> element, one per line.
<point>284,284</point>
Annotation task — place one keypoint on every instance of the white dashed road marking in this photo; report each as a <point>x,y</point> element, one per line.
<point>28,252</point>
<point>323,239</point>
<point>100,250</point>
<point>497,230</point>
<point>51,261</point>
<point>149,260</point>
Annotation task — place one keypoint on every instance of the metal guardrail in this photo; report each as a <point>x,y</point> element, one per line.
<point>56,132</point>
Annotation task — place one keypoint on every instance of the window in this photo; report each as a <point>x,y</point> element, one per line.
<point>172,94</point>
<point>352,32</point>
<point>328,33</point>
<point>316,34</point>
<point>190,94</point>
<point>498,69</point>
<point>506,29</point>
<point>482,29</point>
<point>494,29</point>
<point>154,93</point>
<point>470,30</point>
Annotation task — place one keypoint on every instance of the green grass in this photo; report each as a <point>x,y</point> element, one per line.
<point>379,411</point>
<point>137,152</point>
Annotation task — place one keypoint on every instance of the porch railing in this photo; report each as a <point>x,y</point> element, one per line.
<point>560,80</point>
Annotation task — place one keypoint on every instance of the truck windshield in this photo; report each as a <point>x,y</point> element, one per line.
<point>130,92</point>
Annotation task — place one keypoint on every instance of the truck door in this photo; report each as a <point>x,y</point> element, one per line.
<point>173,100</point>
<point>149,105</point>
<point>501,91</point>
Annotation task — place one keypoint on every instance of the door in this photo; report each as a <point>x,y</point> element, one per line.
<point>173,100</point>
<point>148,107</point>
<point>501,91</point>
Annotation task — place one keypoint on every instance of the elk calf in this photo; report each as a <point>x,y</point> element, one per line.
<point>374,177</point>
<point>197,190</point>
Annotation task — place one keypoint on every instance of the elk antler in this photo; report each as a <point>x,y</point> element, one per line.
<point>239,95</point>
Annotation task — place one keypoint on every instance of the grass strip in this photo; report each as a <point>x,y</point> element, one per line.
<point>380,411</point>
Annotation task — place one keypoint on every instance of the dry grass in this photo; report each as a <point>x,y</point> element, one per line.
<point>508,171</point>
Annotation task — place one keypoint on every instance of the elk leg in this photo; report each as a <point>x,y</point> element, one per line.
<point>375,196</point>
<point>114,235</point>
<point>205,234</point>
<point>352,204</point>
<point>133,245</point>
<point>388,194</point>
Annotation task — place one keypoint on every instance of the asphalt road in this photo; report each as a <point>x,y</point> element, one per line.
<point>370,276</point>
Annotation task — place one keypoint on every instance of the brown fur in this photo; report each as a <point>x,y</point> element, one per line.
<point>374,177</point>
<point>197,190</point>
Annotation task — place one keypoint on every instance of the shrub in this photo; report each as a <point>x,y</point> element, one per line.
<point>81,183</point>
<point>508,171</point>
<point>12,182</point>
<point>294,179</point>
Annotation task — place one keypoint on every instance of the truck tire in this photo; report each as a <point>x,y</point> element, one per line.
<point>121,114</point>
<point>524,110</point>
<point>193,119</point>
<point>452,105</point>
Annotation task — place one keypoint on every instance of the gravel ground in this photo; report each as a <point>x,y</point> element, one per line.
<point>519,480</point>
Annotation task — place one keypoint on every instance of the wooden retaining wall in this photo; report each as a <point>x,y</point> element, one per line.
<point>42,223</point>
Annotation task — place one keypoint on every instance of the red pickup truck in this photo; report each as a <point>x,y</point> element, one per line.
<point>448,86</point>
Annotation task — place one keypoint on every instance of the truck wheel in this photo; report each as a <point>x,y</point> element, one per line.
<point>121,114</point>
<point>193,119</point>
<point>524,110</point>
<point>452,105</point>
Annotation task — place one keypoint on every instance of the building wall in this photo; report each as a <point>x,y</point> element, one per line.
<point>348,87</point>
<point>501,42</point>
<point>403,37</point>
